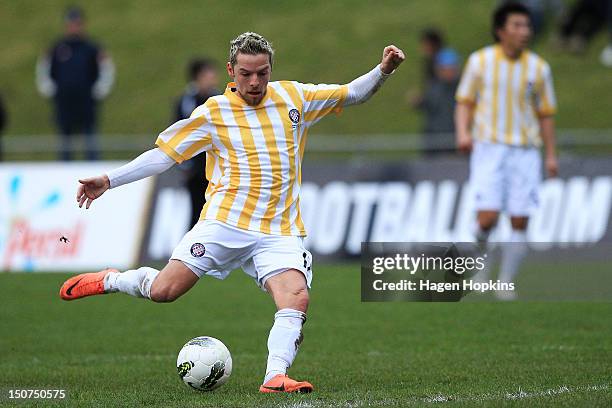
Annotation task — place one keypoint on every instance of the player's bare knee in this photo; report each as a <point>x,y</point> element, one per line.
<point>519,223</point>
<point>487,224</point>
<point>287,296</point>
<point>487,221</point>
<point>300,299</point>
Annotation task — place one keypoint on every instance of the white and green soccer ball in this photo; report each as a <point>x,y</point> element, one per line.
<point>204,363</point>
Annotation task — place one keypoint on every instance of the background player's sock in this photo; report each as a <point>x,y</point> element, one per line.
<point>284,341</point>
<point>135,282</point>
<point>513,254</point>
<point>482,237</point>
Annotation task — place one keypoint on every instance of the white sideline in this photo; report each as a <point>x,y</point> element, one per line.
<point>440,398</point>
<point>520,394</point>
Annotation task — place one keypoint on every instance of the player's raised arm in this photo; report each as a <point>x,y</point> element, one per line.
<point>362,88</point>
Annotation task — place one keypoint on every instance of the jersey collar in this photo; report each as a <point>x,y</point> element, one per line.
<point>500,53</point>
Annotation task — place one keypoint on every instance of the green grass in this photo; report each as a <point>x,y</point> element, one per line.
<point>120,351</point>
<point>319,41</point>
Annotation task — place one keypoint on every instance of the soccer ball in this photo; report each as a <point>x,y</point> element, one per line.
<point>204,363</point>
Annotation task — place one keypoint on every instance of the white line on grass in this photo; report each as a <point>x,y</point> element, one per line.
<point>520,394</point>
<point>440,398</point>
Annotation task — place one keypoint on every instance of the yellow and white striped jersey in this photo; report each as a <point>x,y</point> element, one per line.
<point>254,153</point>
<point>509,96</point>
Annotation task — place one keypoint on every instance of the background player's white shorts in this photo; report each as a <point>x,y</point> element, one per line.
<point>214,248</point>
<point>505,178</point>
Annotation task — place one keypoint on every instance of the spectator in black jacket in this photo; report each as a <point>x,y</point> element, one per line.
<point>76,73</point>
<point>438,104</point>
<point>203,83</point>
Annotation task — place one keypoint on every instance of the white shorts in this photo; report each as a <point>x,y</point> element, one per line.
<point>214,248</point>
<point>505,178</point>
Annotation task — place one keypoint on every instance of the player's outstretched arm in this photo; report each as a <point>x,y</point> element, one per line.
<point>362,88</point>
<point>149,163</point>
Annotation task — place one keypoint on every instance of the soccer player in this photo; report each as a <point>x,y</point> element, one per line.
<point>505,108</point>
<point>254,137</point>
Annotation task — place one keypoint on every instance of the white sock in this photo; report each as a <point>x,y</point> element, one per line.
<point>135,282</point>
<point>284,341</point>
<point>513,254</point>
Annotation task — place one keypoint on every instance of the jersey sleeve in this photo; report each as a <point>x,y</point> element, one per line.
<point>322,99</point>
<point>546,102</point>
<point>186,138</point>
<point>467,90</point>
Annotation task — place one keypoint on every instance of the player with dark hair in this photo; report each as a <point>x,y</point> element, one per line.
<point>254,137</point>
<point>505,108</point>
<point>202,77</point>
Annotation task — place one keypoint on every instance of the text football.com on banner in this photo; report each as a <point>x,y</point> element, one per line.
<point>43,229</point>
<point>416,201</point>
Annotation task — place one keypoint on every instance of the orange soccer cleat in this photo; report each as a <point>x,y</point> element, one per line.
<point>282,383</point>
<point>85,284</point>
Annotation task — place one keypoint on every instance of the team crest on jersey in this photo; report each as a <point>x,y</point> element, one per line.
<point>294,115</point>
<point>198,250</point>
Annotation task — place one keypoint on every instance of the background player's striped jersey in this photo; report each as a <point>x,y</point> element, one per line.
<point>254,153</point>
<point>509,96</point>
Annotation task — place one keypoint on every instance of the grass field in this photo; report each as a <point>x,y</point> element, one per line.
<point>120,351</point>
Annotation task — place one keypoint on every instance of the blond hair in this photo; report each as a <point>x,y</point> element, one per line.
<point>251,44</point>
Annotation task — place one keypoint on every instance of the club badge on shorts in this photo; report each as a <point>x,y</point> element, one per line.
<point>198,250</point>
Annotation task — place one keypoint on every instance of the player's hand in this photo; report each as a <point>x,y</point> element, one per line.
<point>391,59</point>
<point>552,166</point>
<point>91,188</point>
<point>464,142</point>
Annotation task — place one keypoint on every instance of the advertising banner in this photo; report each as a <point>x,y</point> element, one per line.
<point>43,229</point>
<point>344,204</point>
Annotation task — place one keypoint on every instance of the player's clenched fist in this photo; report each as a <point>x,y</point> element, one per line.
<point>391,59</point>
<point>91,188</point>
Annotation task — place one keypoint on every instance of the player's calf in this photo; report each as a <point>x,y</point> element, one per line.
<point>290,293</point>
<point>149,283</point>
<point>172,282</point>
<point>165,294</point>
